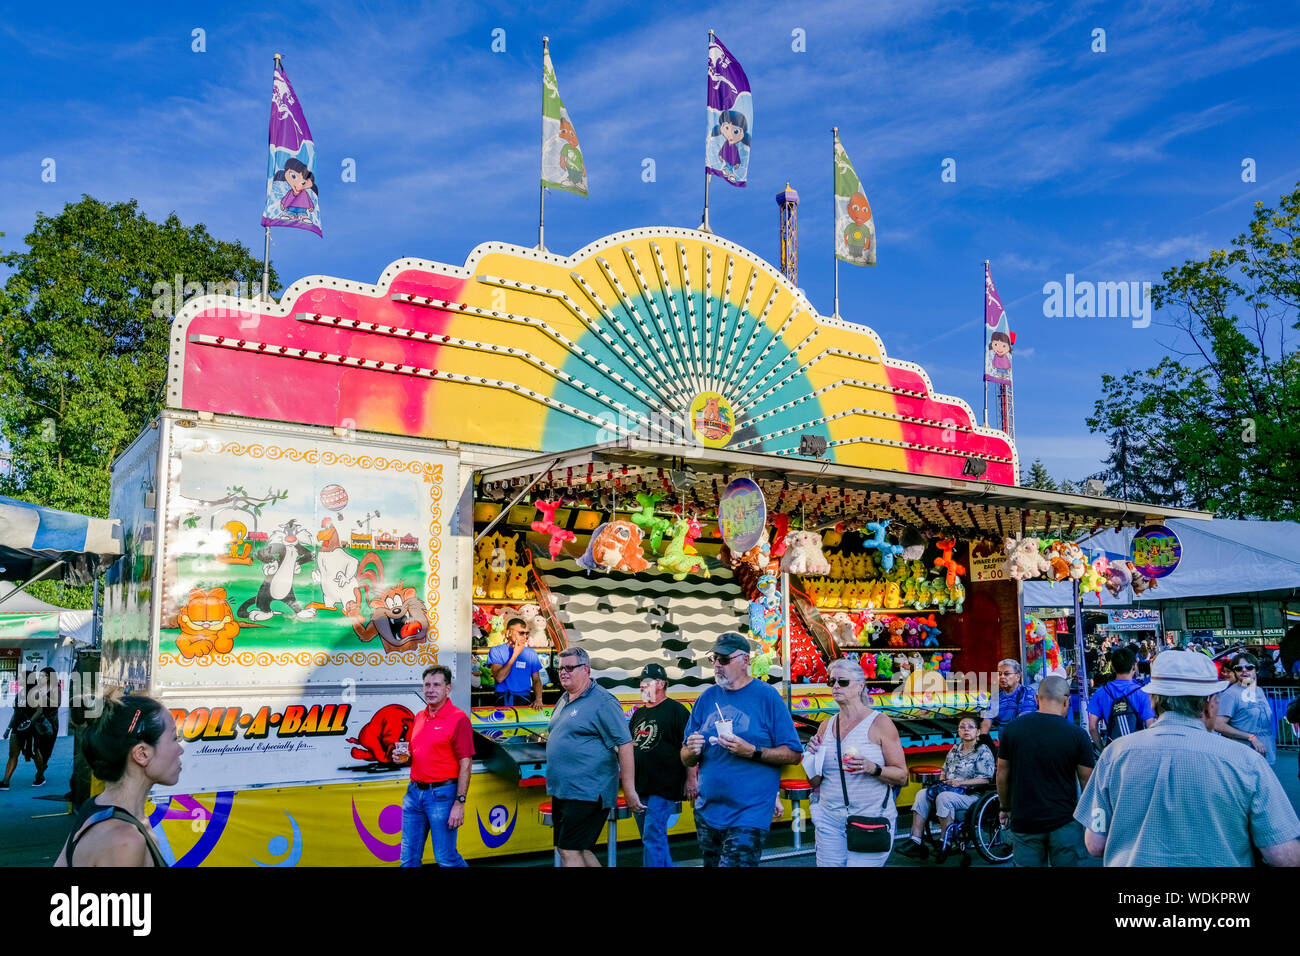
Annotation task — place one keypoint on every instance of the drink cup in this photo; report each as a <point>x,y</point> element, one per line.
<point>401,751</point>
<point>724,727</point>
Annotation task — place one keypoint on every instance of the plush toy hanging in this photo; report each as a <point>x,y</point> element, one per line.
<point>1024,559</point>
<point>536,621</point>
<point>1059,563</point>
<point>765,613</point>
<point>1094,578</point>
<point>548,526</point>
<point>1076,559</point>
<point>946,561</point>
<point>887,551</point>
<point>614,546</point>
<point>677,560</point>
<point>803,554</point>
<point>1140,581</point>
<point>782,525</point>
<point>1119,575</point>
<point>650,523</point>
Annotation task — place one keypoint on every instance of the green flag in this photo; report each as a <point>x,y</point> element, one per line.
<point>855,227</point>
<point>562,165</point>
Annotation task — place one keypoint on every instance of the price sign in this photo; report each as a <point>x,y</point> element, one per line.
<point>991,568</point>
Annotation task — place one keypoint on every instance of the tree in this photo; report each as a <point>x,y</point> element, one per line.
<point>84,339</point>
<point>1213,425</point>
<point>1038,477</point>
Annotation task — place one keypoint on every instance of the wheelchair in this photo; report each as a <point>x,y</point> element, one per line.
<point>976,827</point>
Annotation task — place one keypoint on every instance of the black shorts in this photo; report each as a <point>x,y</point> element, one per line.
<point>577,823</point>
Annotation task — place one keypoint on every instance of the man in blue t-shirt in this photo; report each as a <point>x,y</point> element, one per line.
<point>740,771</point>
<point>516,667</point>
<point>1126,692</point>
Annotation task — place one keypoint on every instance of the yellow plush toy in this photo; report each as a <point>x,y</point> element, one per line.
<point>517,584</point>
<point>893,595</point>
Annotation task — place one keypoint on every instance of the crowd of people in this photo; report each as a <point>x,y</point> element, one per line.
<point>1175,768</point>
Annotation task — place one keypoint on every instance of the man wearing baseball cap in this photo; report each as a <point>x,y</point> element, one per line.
<point>658,728</point>
<point>1179,794</point>
<point>740,735</point>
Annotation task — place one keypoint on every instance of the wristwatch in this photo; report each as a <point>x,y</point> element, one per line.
<point>757,755</point>
<point>878,771</point>
<point>460,798</point>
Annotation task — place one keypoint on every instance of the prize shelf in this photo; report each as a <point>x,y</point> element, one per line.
<point>892,650</point>
<point>507,602</point>
<point>882,610</point>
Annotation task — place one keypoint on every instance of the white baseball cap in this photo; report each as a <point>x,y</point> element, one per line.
<point>1184,674</point>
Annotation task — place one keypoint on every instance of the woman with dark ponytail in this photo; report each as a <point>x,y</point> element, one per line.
<point>131,746</point>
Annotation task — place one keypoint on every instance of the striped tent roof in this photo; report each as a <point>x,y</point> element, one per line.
<point>33,539</point>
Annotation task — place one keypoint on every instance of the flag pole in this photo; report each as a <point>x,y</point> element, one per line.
<point>541,212</point>
<point>983,344</point>
<point>835,135</point>
<point>266,252</point>
<point>704,224</point>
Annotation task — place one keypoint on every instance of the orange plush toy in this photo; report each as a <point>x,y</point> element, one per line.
<point>946,546</point>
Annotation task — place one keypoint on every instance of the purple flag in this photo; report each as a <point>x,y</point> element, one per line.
<point>291,196</point>
<point>730,116</point>
<point>998,337</point>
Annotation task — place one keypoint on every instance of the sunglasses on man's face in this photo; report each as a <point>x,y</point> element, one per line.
<point>570,668</point>
<point>722,659</point>
<point>1243,667</point>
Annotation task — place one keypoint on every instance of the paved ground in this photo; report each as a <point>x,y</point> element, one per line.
<point>34,822</point>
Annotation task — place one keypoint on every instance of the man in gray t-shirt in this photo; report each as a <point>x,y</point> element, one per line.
<point>587,729</point>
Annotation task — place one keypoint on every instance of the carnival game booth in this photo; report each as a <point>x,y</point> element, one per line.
<point>336,475</point>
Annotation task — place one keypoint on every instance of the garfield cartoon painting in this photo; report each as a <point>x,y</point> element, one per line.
<point>207,624</point>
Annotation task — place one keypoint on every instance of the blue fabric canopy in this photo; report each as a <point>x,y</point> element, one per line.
<point>33,538</point>
<point>1218,557</point>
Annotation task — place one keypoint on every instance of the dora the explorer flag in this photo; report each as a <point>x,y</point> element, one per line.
<point>562,165</point>
<point>855,227</point>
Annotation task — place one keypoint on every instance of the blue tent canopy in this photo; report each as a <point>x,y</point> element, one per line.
<point>1223,556</point>
<point>43,542</point>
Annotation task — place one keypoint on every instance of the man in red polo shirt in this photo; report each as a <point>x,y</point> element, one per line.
<point>441,755</point>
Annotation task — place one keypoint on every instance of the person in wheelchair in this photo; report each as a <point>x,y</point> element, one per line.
<point>969,766</point>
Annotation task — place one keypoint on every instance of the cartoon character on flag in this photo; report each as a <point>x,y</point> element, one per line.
<point>855,226</point>
<point>998,337</point>
<point>292,198</point>
<point>562,163</point>
<point>730,116</point>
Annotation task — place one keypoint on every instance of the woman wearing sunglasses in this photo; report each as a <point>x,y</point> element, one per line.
<point>131,747</point>
<point>870,754</point>
<point>1245,713</point>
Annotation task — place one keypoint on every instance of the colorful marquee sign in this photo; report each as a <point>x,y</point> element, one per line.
<point>661,334</point>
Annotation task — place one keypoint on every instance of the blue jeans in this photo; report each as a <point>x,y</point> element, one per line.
<point>425,812</point>
<point>653,825</point>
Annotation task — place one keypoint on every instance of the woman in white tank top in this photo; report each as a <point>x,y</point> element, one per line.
<point>873,762</point>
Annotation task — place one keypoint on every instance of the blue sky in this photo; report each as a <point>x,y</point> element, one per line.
<point>1112,166</point>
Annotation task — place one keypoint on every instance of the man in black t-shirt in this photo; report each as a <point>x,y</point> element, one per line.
<point>658,727</point>
<point>1043,760</point>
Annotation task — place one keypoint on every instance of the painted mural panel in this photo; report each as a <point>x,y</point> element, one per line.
<point>293,561</point>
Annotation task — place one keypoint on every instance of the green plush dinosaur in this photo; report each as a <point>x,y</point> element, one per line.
<point>654,526</point>
<point>675,560</point>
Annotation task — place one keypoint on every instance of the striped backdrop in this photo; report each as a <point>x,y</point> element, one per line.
<point>625,621</point>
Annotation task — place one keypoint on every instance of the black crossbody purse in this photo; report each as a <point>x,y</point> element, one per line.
<point>864,834</point>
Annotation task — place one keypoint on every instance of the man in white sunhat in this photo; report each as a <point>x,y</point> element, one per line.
<point>1179,794</point>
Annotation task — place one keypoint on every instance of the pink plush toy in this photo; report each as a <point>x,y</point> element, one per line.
<point>1119,575</point>
<point>548,526</point>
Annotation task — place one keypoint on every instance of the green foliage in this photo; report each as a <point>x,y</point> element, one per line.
<point>84,343</point>
<point>1038,477</point>
<point>1215,427</point>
